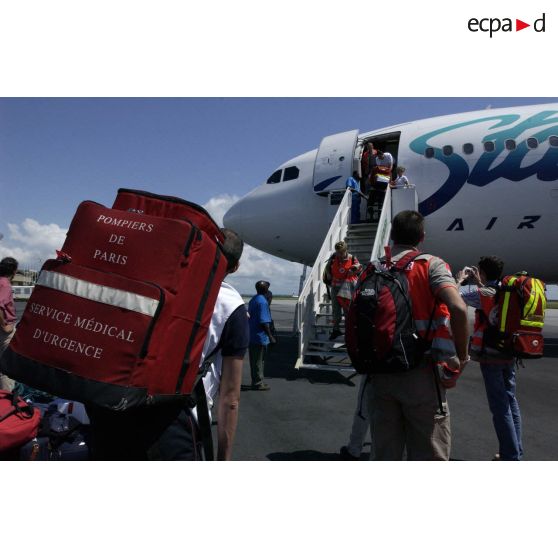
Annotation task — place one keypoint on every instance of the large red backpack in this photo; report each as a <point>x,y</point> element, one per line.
<point>120,319</point>
<point>516,327</point>
<point>381,335</point>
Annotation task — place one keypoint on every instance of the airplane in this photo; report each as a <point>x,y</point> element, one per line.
<point>487,183</point>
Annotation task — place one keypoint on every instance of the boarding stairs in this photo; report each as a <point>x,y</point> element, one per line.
<point>366,241</point>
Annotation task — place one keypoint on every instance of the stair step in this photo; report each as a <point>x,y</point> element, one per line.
<point>363,226</point>
<point>326,354</point>
<point>330,344</point>
<point>365,243</point>
<point>325,315</point>
<point>368,236</point>
<point>339,367</point>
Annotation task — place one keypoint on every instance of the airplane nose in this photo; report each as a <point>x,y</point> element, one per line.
<point>249,215</point>
<point>233,218</point>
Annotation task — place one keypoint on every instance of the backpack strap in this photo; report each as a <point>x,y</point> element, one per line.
<point>202,408</point>
<point>406,260</point>
<point>204,422</point>
<point>18,406</point>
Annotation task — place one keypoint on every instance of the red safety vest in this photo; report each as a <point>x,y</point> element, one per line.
<point>382,171</point>
<point>481,322</point>
<point>427,311</point>
<point>340,270</point>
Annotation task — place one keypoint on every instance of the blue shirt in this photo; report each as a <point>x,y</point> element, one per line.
<point>258,308</point>
<point>352,183</point>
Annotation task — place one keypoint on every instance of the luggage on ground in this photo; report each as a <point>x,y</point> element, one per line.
<point>61,437</point>
<point>19,421</point>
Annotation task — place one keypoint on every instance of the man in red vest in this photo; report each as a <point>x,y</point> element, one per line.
<point>404,406</point>
<point>498,370</point>
<point>342,267</point>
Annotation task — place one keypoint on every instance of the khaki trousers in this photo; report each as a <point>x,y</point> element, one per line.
<point>5,383</point>
<point>257,360</point>
<point>404,414</point>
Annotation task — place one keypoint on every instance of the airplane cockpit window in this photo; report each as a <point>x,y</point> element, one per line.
<point>489,146</point>
<point>429,152</point>
<point>468,148</point>
<point>510,144</point>
<point>275,178</point>
<point>447,150</point>
<point>291,173</point>
<point>553,140</point>
<point>532,143</point>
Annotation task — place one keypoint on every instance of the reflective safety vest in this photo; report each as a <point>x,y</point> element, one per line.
<point>432,318</point>
<point>382,174</point>
<point>340,270</point>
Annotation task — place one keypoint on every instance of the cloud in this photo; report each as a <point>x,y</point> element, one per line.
<point>283,275</point>
<point>31,243</point>
<point>219,205</point>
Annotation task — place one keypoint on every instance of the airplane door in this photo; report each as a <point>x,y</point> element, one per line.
<point>334,161</point>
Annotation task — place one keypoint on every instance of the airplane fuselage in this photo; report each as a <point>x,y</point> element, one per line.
<point>487,183</point>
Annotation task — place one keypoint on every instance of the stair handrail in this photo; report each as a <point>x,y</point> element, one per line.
<point>384,229</point>
<point>314,288</point>
<point>400,202</point>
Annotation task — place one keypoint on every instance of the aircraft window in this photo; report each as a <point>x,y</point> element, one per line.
<point>510,144</point>
<point>447,150</point>
<point>532,143</point>
<point>291,173</point>
<point>553,140</point>
<point>429,152</point>
<point>468,148</point>
<point>489,146</point>
<point>275,178</point>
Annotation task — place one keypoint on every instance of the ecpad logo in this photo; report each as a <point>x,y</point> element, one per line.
<point>494,24</point>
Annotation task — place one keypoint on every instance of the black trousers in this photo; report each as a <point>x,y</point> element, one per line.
<point>376,200</point>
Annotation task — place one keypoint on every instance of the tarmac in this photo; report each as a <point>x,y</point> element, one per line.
<point>307,415</point>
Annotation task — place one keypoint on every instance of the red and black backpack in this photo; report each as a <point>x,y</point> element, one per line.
<point>381,336</point>
<point>119,320</point>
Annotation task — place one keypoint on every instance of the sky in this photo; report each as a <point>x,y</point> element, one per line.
<point>55,153</point>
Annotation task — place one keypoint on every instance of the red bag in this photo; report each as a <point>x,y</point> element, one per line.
<point>521,306</point>
<point>120,319</point>
<point>19,422</point>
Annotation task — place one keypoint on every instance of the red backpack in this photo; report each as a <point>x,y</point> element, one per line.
<point>19,421</point>
<point>520,308</point>
<point>381,335</point>
<point>120,318</point>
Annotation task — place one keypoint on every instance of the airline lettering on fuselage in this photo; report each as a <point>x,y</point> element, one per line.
<point>527,223</point>
<point>482,173</point>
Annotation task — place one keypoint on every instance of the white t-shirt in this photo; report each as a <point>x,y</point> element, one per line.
<point>387,161</point>
<point>401,182</point>
<point>228,300</point>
